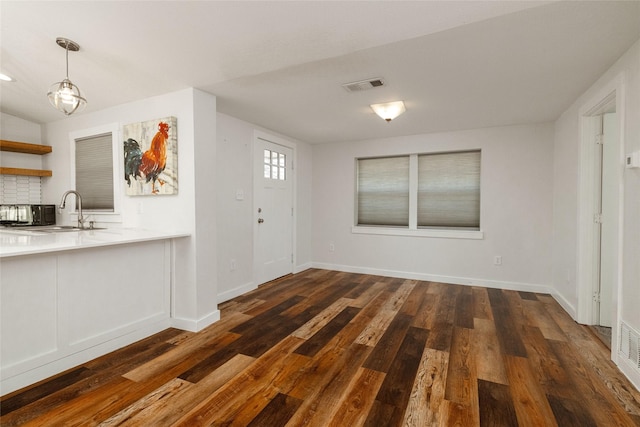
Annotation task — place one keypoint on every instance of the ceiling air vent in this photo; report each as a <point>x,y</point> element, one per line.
<point>363,85</point>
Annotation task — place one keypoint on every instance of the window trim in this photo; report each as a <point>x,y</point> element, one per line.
<point>448,233</point>
<point>413,230</point>
<point>114,130</point>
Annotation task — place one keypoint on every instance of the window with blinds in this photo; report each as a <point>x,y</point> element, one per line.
<point>438,190</point>
<point>383,191</point>
<point>449,190</point>
<point>94,172</point>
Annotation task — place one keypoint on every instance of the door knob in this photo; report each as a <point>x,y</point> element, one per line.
<point>260,220</point>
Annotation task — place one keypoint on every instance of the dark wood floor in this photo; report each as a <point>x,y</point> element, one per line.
<point>324,348</point>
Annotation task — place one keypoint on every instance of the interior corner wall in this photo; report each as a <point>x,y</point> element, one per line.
<point>566,181</point>
<point>170,213</point>
<point>565,210</point>
<point>206,184</point>
<point>14,128</point>
<point>234,199</point>
<point>235,216</point>
<point>516,211</point>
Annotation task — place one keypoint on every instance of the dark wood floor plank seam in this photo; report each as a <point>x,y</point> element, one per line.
<point>17,401</point>
<point>258,320</point>
<point>324,335</point>
<point>464,309</point>
<point>383,354</point>
<point>277,412</point>
<point>398,384</point>
<point>496,405</point>
<point>506,328</point>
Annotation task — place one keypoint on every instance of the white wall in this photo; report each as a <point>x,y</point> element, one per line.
<point>235,217</point>
<point>566,178</point>
<point>192,210</point>
<point>13,128</point>
<point>565,210</point>
<point>516,211</point>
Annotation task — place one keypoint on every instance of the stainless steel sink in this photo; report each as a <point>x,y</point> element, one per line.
<point>61,228</point>
<point>51,228</point>
<point>57,228</point>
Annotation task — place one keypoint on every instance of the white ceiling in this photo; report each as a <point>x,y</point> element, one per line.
<point>456,64</point>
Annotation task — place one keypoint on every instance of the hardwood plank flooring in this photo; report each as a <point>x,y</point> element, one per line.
<point>325,348</point>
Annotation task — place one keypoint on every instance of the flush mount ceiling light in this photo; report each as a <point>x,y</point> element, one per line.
<point>389,110</point>
<point>64,95</point>
<point>6,78</point>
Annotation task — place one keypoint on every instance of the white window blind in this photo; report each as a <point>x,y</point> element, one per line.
<point>94,172</point>
<point>449,190</point>
<point>427,194</point>
<point>383,191</point>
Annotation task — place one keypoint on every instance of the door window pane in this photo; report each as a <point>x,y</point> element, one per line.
<point>275,165</point>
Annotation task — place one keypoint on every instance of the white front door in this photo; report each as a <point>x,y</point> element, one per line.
<point>273,211</point>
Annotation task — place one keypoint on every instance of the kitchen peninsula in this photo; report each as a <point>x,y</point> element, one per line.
<point>70,296</point>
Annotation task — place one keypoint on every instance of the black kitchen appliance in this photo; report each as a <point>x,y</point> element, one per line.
<point>22,214</point>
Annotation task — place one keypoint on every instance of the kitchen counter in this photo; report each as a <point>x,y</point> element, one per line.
<point>67,297</point>
<point>16,241</point>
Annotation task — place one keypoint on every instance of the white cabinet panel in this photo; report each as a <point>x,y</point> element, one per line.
<point>28,309</point>
<point>106,290</point>
<point>62,309</point>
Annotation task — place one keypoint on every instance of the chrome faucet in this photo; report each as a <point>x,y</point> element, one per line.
<point>63,201</point>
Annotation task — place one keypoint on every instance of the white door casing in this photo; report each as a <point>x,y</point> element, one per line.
<point>587,311</point>
<point>273,210</point>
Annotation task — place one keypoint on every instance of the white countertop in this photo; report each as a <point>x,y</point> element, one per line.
<point>15,242</point>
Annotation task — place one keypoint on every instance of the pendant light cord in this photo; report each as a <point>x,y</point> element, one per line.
<point>66,48</point>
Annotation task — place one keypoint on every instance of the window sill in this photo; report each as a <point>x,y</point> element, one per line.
<point>422,232</point>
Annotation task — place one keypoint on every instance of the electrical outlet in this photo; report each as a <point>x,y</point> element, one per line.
<point>232,265</point>
<point>497,260</point>
<point>332,247</point>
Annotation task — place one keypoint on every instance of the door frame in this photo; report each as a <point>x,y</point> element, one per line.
<point>586,280</point>
<point>258,134</point>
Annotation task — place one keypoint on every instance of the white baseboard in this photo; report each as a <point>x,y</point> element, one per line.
<point>62,364</point>
<point>568,307</point>
<point>302,267</point>
<point>193,325</point>
<point>235,292</point>
<point>629,371</point>
<point>469,281</point>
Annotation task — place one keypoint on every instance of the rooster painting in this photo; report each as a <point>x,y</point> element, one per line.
<point>132,160</point>
<point>144,167</point>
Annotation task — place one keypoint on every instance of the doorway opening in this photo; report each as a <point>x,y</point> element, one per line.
<point>599,203</point>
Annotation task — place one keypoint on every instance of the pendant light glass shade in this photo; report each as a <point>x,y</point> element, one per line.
<point>65,96</point>
<point>389,110</point>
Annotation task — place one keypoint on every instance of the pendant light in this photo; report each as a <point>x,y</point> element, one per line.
<point>64,95</point>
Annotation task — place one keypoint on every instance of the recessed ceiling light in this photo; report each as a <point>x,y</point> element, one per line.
<point>6,78</point>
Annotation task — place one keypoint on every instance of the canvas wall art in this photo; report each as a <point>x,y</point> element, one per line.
<point>151,157</point>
